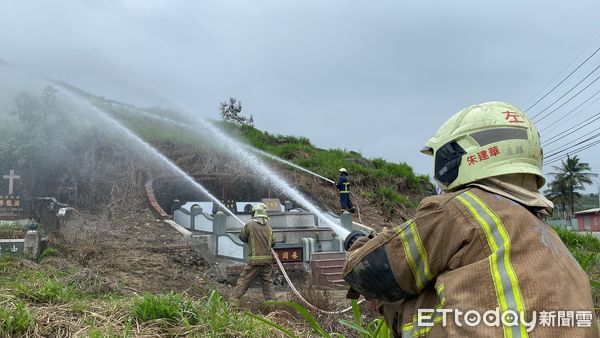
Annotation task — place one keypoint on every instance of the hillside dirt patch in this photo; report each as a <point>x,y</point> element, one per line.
<point>137,252</point>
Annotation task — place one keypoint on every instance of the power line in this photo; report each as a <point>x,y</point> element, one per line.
<point>565,94</point>
<point>572,149</point>
<point>557,150</point>
<point>563,80</point>
<point>548,127</point>
<point>572,152</point>
<point>569,100</point>
<point>557,138</point>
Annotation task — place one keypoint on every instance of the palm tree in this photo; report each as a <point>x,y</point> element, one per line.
<point>558,193</point>
<point>572,176</point>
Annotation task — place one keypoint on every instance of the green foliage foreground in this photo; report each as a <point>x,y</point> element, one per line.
<point>43,301</point>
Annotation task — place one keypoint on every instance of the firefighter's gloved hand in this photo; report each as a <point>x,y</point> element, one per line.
<point>352,294</point>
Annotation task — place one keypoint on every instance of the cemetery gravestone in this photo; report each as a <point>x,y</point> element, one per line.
<point>12,210</point>
<point>11,198</point>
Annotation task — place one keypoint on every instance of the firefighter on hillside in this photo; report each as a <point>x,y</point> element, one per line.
<point>481,246</point>
<point>343,186</point>
<point>259,236</point>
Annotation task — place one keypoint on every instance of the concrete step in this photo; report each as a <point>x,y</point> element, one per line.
<point>335,268</point>
<point>327,255</point>
<point>328,262</point>
<point>338,282</point>
<point>326,267</point>
<point>331,276</point>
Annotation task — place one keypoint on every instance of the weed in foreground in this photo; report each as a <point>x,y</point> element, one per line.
<point>14,318</point>
<point>170,307</point>
<point>375,329</point>
<point>44,289</point>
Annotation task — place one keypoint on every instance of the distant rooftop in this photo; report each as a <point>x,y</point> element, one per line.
<point>589,211</point>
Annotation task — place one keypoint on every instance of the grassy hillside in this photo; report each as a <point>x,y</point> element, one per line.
<point>327,162</point>
<point>113,280</point>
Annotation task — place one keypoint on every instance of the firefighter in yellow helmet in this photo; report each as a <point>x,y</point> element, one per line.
<point>478,260</point>
<point>259,236</point>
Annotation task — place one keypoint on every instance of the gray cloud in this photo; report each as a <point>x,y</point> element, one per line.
<point>378,77</point>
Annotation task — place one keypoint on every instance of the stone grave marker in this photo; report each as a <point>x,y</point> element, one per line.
<point>11,195</point>
<point>273,204</point>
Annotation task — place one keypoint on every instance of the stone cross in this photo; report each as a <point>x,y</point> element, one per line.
<point>11,179</point>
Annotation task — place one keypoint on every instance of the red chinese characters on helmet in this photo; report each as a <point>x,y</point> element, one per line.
<point>483,155</point>
<point>513,117</point>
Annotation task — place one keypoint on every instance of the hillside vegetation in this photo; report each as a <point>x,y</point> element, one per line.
<point>115,271</point>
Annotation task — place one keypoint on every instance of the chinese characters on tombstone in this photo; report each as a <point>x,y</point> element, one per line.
<point>287,255</point>
<point>10,194</point>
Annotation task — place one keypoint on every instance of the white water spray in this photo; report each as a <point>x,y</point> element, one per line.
<point>235,148</point>
<point>248,147</point>
<point>252,161</point>
<point>294,165</point>
<point>148,148</point>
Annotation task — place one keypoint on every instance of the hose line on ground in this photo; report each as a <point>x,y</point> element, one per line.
<point>287,278</point>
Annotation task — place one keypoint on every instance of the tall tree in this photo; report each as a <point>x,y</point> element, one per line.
<point>572,176</point>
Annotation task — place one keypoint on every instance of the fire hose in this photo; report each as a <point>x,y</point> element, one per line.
<point>350,239</point>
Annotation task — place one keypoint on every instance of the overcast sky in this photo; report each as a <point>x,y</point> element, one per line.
<point>378,77</point>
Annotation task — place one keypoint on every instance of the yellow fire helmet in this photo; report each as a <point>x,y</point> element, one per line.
<point>260,210</point>
<point>485,140</point>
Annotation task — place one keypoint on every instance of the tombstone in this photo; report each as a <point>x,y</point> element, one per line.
<point>11,195</point>
<point>273,204</point>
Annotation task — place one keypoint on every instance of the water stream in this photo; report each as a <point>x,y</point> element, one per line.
<point>234,147</point>
<point>248,147</point>
<point>253,162</point>
<point>146,147</point>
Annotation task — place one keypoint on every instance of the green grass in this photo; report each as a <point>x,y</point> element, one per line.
<point>213,314</point>
<point>374,329</point>
<point>170,307</point>
<point>43,288</point>
<point>324,162</point>
<point>15,318</point>
<point>47,252</point>
<point>389,199</point>
<point>585,248</point>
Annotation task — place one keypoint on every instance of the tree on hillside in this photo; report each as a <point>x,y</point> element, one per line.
<point>230,112</point>
<point>570,177</point>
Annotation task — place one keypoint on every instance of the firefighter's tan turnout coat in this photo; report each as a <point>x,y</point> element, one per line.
<point>473,249</point>
<point>259,236</point>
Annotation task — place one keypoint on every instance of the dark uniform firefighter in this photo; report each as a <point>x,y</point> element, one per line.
<point>478,260</point>
<point>259,236</point>
<point>343,186</point>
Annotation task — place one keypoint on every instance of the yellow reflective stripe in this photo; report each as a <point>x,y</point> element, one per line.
<point>416,256</point>
<point>252,241</point>
<point>504,277</point>
<point>422,252</point>
<point>411,330</point>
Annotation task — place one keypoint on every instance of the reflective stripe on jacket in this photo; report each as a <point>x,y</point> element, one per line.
<point>343,184</point>
<point>260,240</point>
<point>470,250</point>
